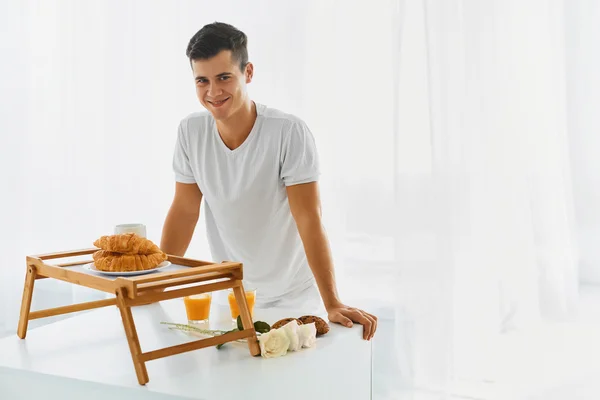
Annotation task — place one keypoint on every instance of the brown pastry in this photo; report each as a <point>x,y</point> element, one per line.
<point>127,243</point>
<point>117,262</point>
<point>284,321</point>
<point>320,324</point>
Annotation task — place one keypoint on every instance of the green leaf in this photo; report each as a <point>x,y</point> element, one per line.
<point>221,344</point>
<point>262,327</point>
<point>259,326</point>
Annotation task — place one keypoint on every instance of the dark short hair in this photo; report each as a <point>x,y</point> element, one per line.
<point>216,37</point>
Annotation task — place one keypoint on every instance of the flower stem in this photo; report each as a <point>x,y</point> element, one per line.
<point>191,328</point>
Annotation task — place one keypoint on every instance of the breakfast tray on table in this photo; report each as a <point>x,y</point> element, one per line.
<point>197,276</point>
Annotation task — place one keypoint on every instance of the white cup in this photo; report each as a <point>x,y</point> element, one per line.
<point>138,229</point>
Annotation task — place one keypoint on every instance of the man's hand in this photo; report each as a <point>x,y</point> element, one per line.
<point>345,315</point>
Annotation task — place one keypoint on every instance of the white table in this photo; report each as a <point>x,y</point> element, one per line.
<point>87,356</point>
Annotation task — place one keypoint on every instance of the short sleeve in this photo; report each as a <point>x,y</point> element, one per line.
<point>299,158</point>
<point>181,160</point>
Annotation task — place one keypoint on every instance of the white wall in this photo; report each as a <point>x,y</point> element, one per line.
<point>583,91</point>
<point>13,101</point>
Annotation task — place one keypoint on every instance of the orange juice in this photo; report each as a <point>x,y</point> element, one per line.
<point>233,306</point>
<point>197,306</point>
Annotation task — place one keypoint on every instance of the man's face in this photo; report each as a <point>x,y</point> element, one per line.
<point>221,85</point>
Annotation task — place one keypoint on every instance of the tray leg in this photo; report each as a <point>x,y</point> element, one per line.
<point>26,301</point>
<point>240,298</point>
<point>132,337</point>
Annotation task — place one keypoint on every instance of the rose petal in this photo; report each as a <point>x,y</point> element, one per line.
<point>307,334</point>
<point>273,344</point>
<point>291,330</point>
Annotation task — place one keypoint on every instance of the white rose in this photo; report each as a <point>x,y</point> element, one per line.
<point>274,343</point>
<point>291,330</point>
<point>307,334</point>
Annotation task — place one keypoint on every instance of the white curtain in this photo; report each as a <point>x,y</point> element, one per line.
<point>582,20</point>
<point>485,234</point>
<point>441,126</point>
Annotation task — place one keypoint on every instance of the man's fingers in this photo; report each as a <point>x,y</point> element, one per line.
<point>342,319</point>
<point>374,325</point>
<point>364,320</point>
<point>347,315</point>
<point>373,320</point>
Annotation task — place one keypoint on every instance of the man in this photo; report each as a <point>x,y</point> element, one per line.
<point>257,170</point>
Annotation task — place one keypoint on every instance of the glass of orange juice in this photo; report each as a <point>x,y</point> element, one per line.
<point>233,306</point>
<point>197,307</point>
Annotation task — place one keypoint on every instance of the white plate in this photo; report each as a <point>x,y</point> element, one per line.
<point>92,267</point>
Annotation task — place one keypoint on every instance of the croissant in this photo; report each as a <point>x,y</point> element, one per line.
<point>117,262</point>
<point>127,243</point>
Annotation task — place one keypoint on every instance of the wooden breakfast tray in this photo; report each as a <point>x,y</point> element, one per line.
<point>199,277</point>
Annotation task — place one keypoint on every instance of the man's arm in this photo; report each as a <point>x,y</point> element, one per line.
<point>181,219</point>
<point>306,209</point>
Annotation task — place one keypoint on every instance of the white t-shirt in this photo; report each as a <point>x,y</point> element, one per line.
<point>248,218</point>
